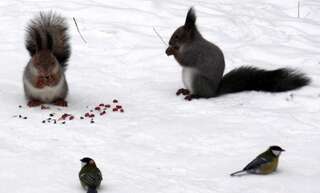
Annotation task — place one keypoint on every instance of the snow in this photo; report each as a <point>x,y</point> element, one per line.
<point>163,143</point>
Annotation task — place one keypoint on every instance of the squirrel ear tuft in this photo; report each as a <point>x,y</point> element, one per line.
<point>38,40</point>
<point>49,41</point>
<point>191,19</point>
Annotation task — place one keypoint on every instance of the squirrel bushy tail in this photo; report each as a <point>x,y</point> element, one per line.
<point>250,78</point>
<point>49,31</point>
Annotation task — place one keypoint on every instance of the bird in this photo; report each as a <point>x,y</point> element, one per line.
<point>90,176</point>
<point>265,163</point>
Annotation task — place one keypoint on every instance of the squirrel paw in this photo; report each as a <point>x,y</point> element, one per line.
<point>61,102</point>
<point>190,97</point>
<point>40,83</point>
<point>183,91</point>
<point>34,103</point>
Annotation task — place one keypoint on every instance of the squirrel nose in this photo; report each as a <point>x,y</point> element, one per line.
<point>47,77</point>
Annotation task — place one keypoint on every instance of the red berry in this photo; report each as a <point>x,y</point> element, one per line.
<point>121,110</point>
<point>118,106</point>
<point>107,106</point>
<point>114,109</point>
<point>115,101</point>
<point>97,108</point>
<point>102,113</point>
<point>101,105</point>
<point>87,115</point>
<point>71,117</point>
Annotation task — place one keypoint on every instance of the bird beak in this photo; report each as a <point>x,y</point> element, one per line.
<point>283,150</point>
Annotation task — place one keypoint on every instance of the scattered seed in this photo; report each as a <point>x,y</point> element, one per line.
<point>101,108</point>
<point>64,116</point>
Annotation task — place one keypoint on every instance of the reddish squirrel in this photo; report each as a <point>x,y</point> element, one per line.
<point>203,66</point>
<point>47,42</point>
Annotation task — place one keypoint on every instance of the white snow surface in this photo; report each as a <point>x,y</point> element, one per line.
<point>163,144</point>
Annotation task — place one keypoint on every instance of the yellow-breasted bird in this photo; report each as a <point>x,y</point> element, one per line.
<point>265,163</point>
<point>90,175</point>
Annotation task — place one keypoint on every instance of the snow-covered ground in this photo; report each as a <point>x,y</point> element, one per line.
<point>163,144</point>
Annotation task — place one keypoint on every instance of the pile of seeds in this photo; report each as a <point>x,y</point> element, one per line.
<point>100,110</point>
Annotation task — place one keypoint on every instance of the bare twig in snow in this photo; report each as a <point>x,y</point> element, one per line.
<point>75,22</point>
<point>155,31</point>
<point>298,9</point>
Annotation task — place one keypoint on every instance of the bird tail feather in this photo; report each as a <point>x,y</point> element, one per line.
<point>92,190</point>
<point>238,172</point>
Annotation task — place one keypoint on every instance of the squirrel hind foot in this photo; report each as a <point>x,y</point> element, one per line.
<point>190,97</point>
<point>34,103</point>
<point>61,103</point>
<point>183,91</point>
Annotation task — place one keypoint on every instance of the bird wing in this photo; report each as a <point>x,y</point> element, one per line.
<point>91,178</point>
<point>256,163</point>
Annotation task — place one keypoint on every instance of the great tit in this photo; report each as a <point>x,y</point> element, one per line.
<point>265,163</point>
<point>89,175</point>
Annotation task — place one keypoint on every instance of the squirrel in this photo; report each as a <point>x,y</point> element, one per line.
<point>203,67</point>
<point>47,42</point>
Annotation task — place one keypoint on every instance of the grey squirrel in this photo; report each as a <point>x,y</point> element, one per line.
<point>203,66</point>
<point>47,42</point>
